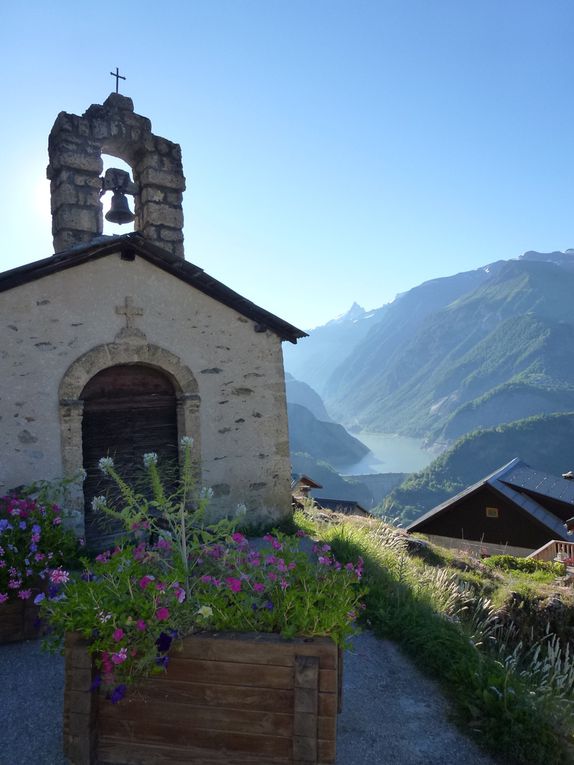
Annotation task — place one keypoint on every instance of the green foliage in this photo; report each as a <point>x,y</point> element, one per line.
<point>175,574</point>
<point>518,702</point>
<point>526,565</point>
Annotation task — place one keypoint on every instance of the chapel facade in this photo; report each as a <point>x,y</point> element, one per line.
<point>119,346</point>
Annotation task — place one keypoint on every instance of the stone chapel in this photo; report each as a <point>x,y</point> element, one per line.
<point>116,345</point>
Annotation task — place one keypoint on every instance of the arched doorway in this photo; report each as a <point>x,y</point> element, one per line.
<point>129,410</point>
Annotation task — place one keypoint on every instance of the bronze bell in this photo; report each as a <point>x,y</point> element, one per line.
<point>119,211</point>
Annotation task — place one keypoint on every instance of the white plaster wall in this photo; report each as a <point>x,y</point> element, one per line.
<point>49,323</point>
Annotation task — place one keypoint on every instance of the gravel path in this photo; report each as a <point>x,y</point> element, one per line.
<point>392,715</point>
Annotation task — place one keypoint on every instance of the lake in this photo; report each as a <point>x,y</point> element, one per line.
<point>391,454</point>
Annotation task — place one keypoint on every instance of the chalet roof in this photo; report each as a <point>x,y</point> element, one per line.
<point>343,505</point>
<point>134,245</point>
<point>513,481</point>
<point>304,479</point>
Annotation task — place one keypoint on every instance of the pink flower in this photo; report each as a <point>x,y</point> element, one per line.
<point>238,538</point>
<point>179,592</point>
<point>162,614</point>
<point>270,560</point>
<point>25,594</point>
<point>324,561</point>
<point>284,584</point>
<point>3,597</point>
<point>233,584</point>
<point>141,625</point>
<point>107,665</point>
<point>120,656</point>
<point>145,580</point>
<point>276,544</point>
<point>206,579</point>
<point>118,635</point>
<point>272,577</point>
<point>59,576</point>
<point>300,533</point>
<point>258,587</point>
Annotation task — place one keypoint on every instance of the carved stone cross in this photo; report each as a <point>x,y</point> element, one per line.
<point>130,311</point>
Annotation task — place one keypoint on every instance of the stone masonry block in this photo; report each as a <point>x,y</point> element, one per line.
<point>153,195</point>
<point>79,161</point>
<point>79,218</point>
<point>151,177</point>
<point>162,215</point>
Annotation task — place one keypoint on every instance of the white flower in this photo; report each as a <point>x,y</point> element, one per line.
<point>205,612</point>
<point>82,475</point>
<point>206,493</point>
<point>98,503</point>
<point>106,464</point>
<point>240,510</point>
<point>150,459</point>
<point>186,441</point>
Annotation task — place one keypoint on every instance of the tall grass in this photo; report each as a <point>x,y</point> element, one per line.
<point>518,702</point>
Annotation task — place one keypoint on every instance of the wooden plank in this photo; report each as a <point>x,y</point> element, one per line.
<point>255,648</point>
<point>148,731</point>
<point>118,752</point>
<point>279,700</point>
<point>306,686</point>
<point>328,680</point>
<point>233,673</point>
<point>327,727</point>
<point>195,717</point>
<point>326,752</point>
<point>327,704</point>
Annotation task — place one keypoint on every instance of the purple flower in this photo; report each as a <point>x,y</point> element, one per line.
<point>22,525</point>
<point>163,642</point>
<point>118,693</point>
<point>39,598</point>
<point>162,661</point>
<point>96,682</point>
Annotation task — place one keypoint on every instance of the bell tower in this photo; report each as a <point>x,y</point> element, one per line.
<point>75,149</point>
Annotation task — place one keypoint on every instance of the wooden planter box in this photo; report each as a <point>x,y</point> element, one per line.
<point>19,620</point>
<point>238,699</point>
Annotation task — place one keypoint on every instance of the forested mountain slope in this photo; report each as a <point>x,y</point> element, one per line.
<point>544,442</point>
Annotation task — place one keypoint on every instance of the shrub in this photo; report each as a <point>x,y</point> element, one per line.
<point>34,545</point>
<point>525,565</point>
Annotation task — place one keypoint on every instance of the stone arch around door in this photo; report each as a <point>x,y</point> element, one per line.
<point>81,371</point>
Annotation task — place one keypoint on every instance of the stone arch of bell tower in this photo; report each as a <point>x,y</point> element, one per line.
<point>75,149</point>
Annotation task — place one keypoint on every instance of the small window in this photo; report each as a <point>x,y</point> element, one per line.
<point>492,512</point>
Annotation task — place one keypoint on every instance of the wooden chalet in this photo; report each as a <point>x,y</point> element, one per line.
<point>345,506</point>
<point>515,510</point>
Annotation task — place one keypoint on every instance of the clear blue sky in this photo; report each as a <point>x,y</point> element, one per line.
<point>335,150</point>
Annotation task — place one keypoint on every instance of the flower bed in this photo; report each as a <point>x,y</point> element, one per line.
<point>140,614</point>
<point>33,546</point>
<point>238,699</point>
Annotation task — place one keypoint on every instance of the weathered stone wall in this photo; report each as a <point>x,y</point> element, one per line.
<point>60,330</point>
<point>75,147</point>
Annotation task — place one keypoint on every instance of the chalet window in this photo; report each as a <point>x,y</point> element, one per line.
<point>492,512</point>
<point>129,409</point>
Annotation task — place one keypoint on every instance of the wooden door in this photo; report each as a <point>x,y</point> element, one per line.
<point>129,410</point>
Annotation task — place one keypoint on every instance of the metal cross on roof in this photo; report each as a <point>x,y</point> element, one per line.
<point>118,77</point>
